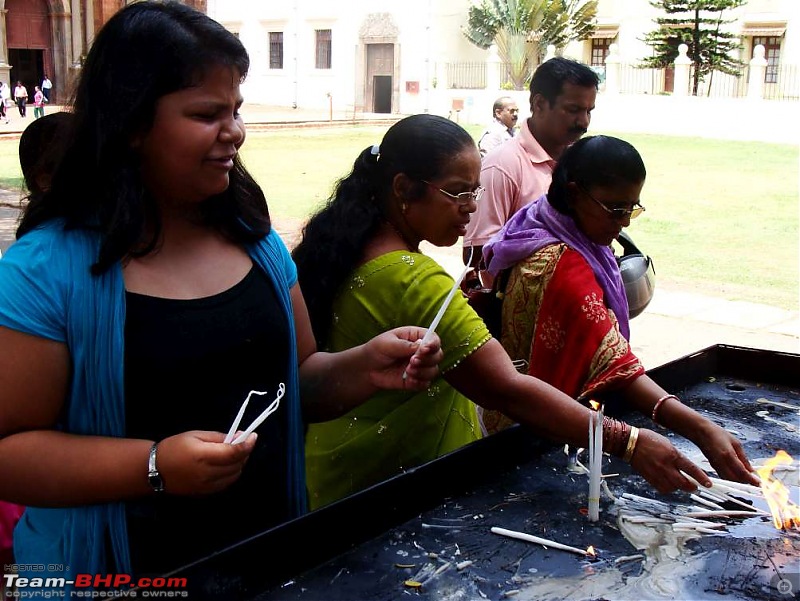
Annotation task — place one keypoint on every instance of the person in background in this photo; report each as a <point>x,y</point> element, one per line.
<point>562,97</point>
<point>565,313</point>
<point>359,262</point>
<point>21,98</point>
<point>40,150</point>
<point>9,516</point>
<point>145,298</point>
<point>47,87</point>
<point>38,103</point>
<point>504,118</point>
<point>5,99</point>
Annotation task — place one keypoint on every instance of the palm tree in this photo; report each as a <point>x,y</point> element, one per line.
<point>522,29</point>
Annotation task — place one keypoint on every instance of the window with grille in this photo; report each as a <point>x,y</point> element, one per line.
<point>772,52</point>
<point>276,50</point>
<point>600,51</point>
<point>323,51</point>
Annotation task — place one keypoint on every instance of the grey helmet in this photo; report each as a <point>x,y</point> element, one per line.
<point>638,275</point>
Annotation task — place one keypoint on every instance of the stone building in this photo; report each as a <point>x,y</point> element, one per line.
<point>39,37</point>
<point>383,56</point>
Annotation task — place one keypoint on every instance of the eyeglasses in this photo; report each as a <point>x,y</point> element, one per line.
<point>618,212</point>
<point>462,198</point>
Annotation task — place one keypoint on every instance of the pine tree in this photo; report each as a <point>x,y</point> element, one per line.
<point>698,24</point>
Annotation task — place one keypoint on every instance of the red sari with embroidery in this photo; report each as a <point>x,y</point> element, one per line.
<point>555,319</point>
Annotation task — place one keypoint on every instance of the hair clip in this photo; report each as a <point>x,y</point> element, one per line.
<point>376,151</point>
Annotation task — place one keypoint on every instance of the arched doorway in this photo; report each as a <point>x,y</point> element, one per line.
<point>378,65</point>
<point>28,38</point>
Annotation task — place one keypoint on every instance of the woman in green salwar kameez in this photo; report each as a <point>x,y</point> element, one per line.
<point>394,431</point>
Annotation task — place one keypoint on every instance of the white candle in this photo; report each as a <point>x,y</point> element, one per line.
<point>235,424</point>
<point>595,463</point>
<point>271,408</point>
<point>735,513</point>
<point>448,298</point>
<point>443,308</point>
<point>456,285</point>
<point>542,541</point>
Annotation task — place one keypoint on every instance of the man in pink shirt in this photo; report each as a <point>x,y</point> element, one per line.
<point>562,98</point>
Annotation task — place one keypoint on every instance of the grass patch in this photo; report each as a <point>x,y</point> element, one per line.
<point>721,219</point>
<point>10,171</point>
<point>721,216</point>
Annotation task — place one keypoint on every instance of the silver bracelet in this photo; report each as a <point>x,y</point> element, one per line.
<point>153,475</point>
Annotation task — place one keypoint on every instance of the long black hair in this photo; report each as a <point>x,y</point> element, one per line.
<point>334,239</point>
<point>145,51</point>
<point>594,161</point>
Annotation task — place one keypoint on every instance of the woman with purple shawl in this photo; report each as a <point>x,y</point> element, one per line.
<point>565,312</point>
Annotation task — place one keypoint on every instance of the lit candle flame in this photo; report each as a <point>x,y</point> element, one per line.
<point>785,513</point>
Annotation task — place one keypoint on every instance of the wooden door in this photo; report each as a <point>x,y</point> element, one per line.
<point>669,79</point>
<point>29,42</point>
<point>380,77</point>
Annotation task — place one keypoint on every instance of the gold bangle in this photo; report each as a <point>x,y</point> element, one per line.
<point>658,404</point>
<point>632,440</point>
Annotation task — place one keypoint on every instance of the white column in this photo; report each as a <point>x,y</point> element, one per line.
<point>758,70</point>
<point>493,69</point>
<point>551,52</point>
<point>682,65</point>
<point>612,70</point>
<point>5,68</point>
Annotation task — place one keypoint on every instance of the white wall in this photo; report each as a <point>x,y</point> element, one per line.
<point>429,31</point>
<point>429,36</point>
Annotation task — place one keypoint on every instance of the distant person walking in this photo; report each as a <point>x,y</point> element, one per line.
<point>21,98</point>
<point>5,96</point>
<point>39,100</point>
<point>47,87</point>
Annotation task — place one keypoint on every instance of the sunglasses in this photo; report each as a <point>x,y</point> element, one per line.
<point>618,212</point>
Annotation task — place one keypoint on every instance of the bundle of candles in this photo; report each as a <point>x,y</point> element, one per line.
<point>271,408</point>
<point>595,459</point>
<point>694,519</point>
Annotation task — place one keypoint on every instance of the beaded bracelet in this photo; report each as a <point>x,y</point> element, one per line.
<point>632,440</point>
<point>658,404</point>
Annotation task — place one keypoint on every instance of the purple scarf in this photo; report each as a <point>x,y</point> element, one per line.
<point>538,225</point>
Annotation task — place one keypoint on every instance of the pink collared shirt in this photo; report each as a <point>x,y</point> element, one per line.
<point>513,174</point>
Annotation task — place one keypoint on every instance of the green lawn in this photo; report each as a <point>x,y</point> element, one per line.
<point>721,219</point>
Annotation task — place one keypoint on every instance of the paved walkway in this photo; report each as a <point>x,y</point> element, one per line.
<point>256,116</point>
<point>677,322</point>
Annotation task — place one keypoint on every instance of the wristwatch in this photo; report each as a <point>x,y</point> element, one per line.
<point>153,476</point>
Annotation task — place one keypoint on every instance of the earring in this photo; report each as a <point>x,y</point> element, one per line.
<point>403,208</point>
